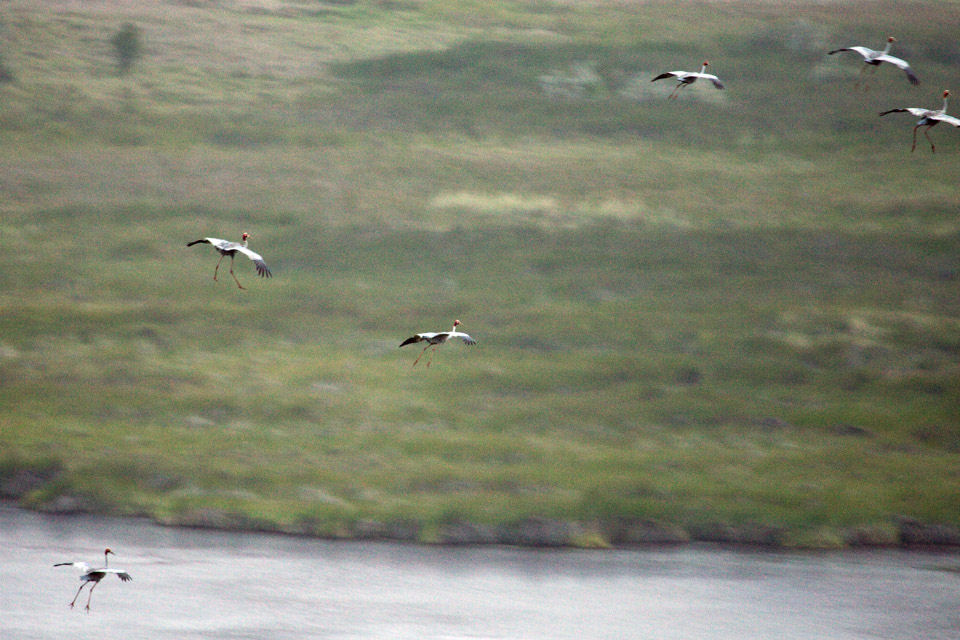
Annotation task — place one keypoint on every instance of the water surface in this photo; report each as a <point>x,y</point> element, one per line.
<point>191,584</point>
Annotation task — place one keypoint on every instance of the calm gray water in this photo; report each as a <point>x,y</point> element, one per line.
<point>207,584</point>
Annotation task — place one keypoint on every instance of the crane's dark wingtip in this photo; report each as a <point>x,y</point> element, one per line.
<point>410,340</point>
<point>662,76</point>
<point>190,244</point>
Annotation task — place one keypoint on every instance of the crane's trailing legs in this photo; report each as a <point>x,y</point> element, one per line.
<point>77,595</point>
<point>234,275</point>
<point>217,268</point>
<point>430,359</point>
<point>92,584</point>
<point>933,148</point>
<point>866,75</point>
<point>90,595</point>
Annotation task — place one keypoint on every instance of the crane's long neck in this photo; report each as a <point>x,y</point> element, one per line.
<point>886,49</point>
<point>945,98</point>
<point>106,560</point>
<point>703,68</point>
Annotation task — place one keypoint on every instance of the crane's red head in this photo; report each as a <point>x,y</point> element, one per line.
<point>108,550</point>
<point>457,323</point>
<point>706,63</point>
<point>946,92</point>
<point>891,39</point>
<point>244,235</point>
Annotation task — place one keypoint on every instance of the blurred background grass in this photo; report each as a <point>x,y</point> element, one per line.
<point>738,307</point>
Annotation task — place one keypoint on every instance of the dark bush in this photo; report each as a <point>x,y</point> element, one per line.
<point>6,75</point>
<point>126,46</point>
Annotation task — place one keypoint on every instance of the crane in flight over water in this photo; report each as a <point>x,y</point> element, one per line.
<point>93,576</point>
<point>227,248</point>
<point>928,118</point>
<point>434,339</point>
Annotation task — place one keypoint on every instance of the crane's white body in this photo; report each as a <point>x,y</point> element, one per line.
<point>685,78</point>
<point>93,576</point>
<point>436,338</point>
<point>876,58</point>
<point>928,118</point>
<point>88,574</point>
<point>228,248</point>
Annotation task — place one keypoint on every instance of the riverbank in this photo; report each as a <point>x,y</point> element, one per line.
<point>900,532</point>
<point>543,532</point>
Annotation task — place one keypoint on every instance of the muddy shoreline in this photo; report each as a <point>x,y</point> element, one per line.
<point>535,532</point>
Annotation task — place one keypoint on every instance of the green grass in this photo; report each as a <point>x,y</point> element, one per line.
<point>734,309</point>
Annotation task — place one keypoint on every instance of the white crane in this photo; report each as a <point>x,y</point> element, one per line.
<point>227,248</point>
<point>435,339</point>
<point>928,118</point>
<point>685,78</point>
<point>93,576</point>
<point>873,59</point>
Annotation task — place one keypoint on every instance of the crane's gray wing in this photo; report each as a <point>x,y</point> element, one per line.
<point>863,51</point>
<point>123,575</point>
<point>712,78</point>
<point>262,270</point>
<point>942,117</point>
<point>901,64</point>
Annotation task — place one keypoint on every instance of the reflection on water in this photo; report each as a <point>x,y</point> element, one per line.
<point>209,584</point>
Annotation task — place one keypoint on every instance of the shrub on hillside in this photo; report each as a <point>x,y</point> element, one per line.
<point>126,46</point>
<point>6,75</point>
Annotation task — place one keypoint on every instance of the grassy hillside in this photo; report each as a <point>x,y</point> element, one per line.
<point>735,315</point>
